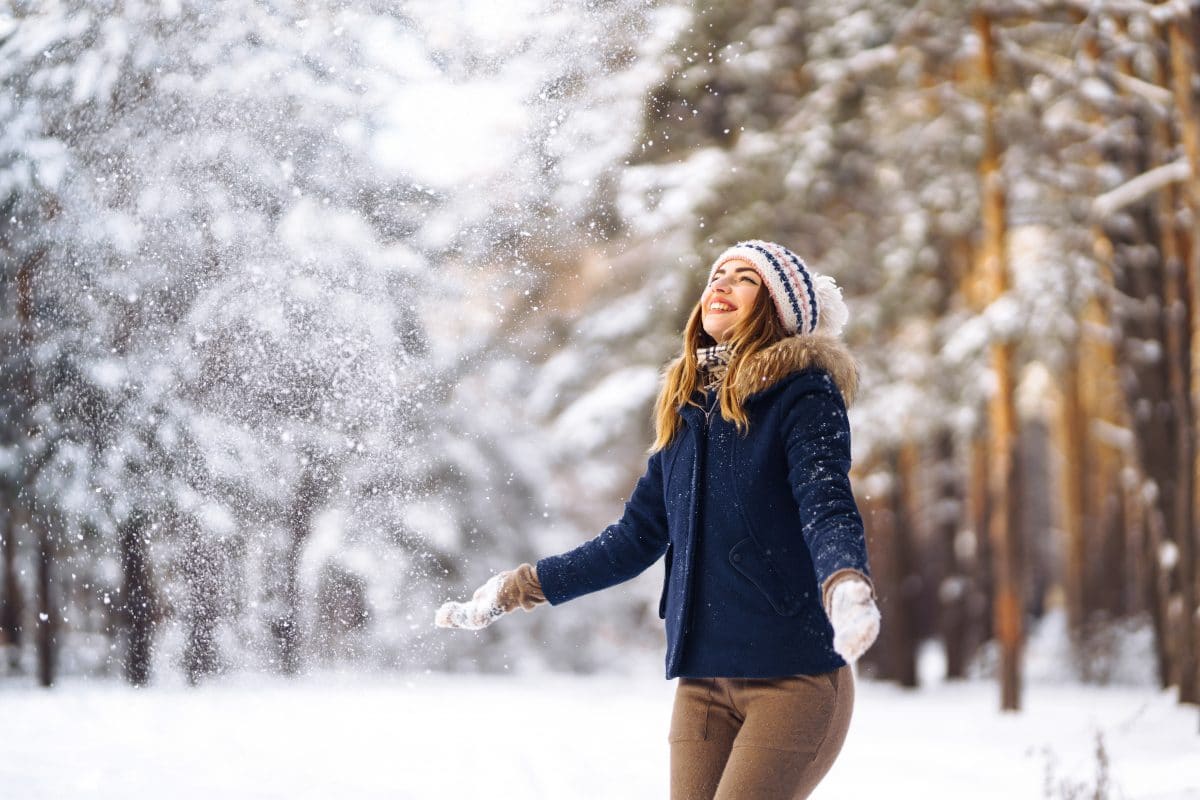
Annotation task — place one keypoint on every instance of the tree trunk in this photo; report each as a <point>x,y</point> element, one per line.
<point>1177,368</point>
<point>1002,521</point>
<point>138,609</point>
<point>287,627</point>
<point>1102,551</point>
<point>876,514</point>
<point>202,572</point>
<point>980,607</point>
<point>48,616</point>
<point>1008,601</point>
<point>10,601</point>
<point>905,618</point>
<point>1183,70</point>
<point>895,654</point>
<point>1072,427</point>
<point>954,583</point>
<point>312,492</point>
<point>1035,517</point>
<point>46,640</point>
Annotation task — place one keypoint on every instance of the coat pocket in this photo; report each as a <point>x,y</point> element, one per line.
<point>662,601</point>
<point>748,559</point>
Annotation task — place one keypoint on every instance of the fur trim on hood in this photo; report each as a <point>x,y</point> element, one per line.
<point>768,366</point>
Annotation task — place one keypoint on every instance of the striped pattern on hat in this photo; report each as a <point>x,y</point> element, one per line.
<point>789,282</point>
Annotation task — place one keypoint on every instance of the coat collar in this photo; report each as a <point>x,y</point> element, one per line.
<point>767,367</point>
<point>772,364</point>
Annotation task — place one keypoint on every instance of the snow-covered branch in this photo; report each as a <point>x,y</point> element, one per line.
<point>1005,10</point>
<point>1068,71</point>
<point>1137,188</point>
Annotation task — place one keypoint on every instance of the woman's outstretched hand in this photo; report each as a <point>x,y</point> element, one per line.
<point>854,616</point>
<point>480,611</point>
<point>503,592</point>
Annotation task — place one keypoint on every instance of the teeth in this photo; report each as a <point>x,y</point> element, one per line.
<point>719,307</point>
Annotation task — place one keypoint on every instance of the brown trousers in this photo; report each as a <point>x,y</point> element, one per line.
<point>757,738</point>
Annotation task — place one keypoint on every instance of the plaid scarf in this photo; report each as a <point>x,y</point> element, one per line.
<point>712,362</point>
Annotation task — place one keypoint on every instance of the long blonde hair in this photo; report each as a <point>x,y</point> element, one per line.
<point>761,328</point>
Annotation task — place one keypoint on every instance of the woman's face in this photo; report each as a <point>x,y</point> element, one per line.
<point>728,297</point>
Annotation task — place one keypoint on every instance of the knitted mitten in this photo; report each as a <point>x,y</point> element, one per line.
<point>503,593</point>
<point>854,616</point>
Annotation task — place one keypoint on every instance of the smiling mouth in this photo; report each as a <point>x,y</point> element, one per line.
<point>718,307</point>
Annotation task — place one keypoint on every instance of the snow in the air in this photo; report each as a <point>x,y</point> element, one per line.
<point>317,316</point>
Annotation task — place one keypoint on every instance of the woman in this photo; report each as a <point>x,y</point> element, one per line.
<point>767,594</point>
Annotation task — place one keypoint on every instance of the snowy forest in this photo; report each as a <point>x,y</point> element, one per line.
<point>317,313</point>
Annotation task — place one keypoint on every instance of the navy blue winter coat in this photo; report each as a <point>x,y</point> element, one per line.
<point>752,525</point>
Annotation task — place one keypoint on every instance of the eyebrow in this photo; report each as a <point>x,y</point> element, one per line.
<point>736,270</point>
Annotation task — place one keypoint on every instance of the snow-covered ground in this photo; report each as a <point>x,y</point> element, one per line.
<point>554,736</point>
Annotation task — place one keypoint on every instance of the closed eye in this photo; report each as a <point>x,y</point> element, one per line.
<point>748,275</point>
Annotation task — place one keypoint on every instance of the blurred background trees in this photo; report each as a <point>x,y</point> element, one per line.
<point>312,320</point>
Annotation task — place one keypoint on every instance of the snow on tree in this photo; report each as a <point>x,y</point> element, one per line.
<point>237,238</point>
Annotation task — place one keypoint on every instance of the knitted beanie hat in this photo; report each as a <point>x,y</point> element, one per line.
<point>806,302</point>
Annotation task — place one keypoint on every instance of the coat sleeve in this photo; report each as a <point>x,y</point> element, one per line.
<point>817,439</point>
<point>620,551</point>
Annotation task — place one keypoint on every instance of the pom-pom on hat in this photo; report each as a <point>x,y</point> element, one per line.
<point>806,302</point>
